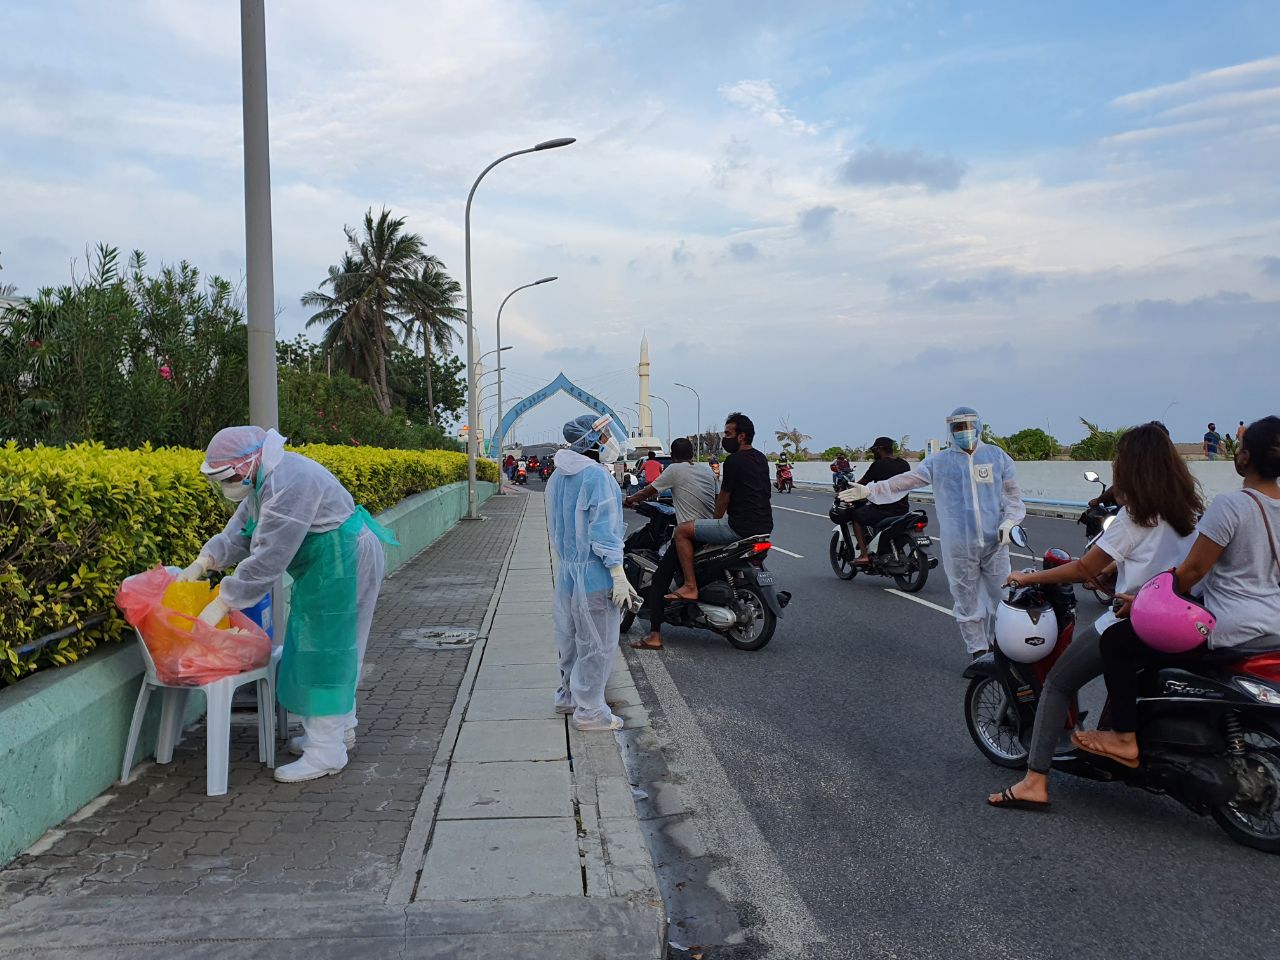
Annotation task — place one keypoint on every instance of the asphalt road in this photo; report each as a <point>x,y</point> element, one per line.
<point>839,802</point>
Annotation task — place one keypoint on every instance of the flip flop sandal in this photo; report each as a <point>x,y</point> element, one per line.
<point>1007,799</point>
<point>641,645</point>
<point>1123,761</point>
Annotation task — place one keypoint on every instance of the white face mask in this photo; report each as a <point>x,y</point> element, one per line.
<point>966,440</point>
<point>610,452</point>
<point>235,490</point>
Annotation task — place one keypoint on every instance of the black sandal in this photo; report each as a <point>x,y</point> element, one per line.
<point>1007,799</point>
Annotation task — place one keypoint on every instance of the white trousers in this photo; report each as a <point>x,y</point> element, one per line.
<point>976,585</point>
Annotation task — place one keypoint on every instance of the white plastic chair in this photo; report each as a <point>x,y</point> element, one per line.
<point>218,695</point>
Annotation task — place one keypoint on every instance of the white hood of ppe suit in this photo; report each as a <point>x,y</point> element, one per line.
<point>572,462</point>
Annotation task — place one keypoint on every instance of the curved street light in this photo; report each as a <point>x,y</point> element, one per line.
<point>654,396</point>
<point>501,347</point>
<point>473,512</point>
<point>697,434</point>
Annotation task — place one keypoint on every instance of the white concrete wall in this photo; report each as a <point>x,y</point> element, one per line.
<point>1058,479</point>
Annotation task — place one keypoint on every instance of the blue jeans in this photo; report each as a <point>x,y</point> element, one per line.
<point>714,531</point>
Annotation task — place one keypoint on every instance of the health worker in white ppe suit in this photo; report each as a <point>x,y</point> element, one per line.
<point>977,500</point>
<point>584,518</point>
<point>294,516</point>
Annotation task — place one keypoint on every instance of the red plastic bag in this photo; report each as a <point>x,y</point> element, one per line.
<point>186,651</point>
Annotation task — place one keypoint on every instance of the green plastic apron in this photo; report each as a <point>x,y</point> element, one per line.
<point>318,668</point>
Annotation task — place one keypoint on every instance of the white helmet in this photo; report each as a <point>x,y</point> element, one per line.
<point>1026,636</point>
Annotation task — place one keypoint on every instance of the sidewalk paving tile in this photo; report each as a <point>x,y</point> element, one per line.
<point>522,788</point>
<point>544,676</point>
<point>496,859</point>
<point>527,704</point>
<point>483,741</point>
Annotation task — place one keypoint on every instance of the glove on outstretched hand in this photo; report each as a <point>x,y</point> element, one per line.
<point>623,594</point>
<point>855,493</point>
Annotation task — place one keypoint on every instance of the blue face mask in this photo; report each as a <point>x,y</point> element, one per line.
<point>966,440</point>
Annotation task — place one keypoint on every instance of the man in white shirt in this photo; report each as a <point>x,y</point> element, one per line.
<point>693,494</point>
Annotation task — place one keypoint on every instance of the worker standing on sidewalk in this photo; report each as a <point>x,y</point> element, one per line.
<point>584,518</point>
<point>295,516</point>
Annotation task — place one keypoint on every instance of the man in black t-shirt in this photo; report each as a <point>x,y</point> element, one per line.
<point>742,506</point>
<point>884,465</point>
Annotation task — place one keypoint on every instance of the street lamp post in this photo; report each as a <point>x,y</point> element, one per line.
<point>501,347</point>
<point>260,297</point>
<point>654,396</point>
<point>473,512</point>
<point>698,433</point>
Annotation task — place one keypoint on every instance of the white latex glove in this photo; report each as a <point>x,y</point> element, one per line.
<point>855,493</point>
<point>214,611</point>
<point>623,593</point>
<point>1003,535</point>
<point>197,570</point>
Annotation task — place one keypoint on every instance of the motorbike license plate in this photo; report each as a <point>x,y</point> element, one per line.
<point>764,579</point>
<point>923,542</point>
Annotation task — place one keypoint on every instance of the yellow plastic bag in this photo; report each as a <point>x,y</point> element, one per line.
<point>191,599</point>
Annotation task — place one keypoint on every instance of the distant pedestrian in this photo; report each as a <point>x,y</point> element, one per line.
<point>652,468</point>
<point>1212,441</point>
<point>715,469</point>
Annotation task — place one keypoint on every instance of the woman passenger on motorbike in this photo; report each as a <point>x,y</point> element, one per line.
<point>1234,561</point>
<point>1152,533</point>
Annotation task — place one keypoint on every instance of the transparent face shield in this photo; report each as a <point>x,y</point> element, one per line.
<point>233,480</point>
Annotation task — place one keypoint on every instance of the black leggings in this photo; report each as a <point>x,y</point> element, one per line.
<point>1123,656</point>
<point>661,586</point>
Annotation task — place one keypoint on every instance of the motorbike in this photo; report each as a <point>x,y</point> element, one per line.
<point>546,470</point>
<point>896,547</point>
<point>841,480</point>
<point>737,596</point>
<point>522,474</point>
<point>784,482</point>
<point>1096,520</point>
<point>1209,733</point>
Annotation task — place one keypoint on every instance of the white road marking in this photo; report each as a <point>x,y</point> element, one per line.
<point>914,599</point>
<point>807,513</point>
<point>787,552</point>
<point>755,873</point>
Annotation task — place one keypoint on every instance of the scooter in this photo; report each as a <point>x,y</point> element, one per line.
<point>896,547</point>
<point>784,482</point>
<point>1096,520</point>
<point>1209,734</point>
<point>522,474</point>
<point>736,594</point>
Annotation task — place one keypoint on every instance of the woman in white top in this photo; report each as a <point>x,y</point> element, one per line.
<point>1153,532</point>
<point>1234,566</point>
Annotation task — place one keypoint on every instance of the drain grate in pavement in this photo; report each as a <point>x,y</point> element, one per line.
<point>439,638</point>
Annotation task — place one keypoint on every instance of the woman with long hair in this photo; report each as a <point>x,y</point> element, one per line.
<point>1152,532</point>
<point>1235,563</point>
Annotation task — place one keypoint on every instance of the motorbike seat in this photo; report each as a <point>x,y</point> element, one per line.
<point>705,548</point>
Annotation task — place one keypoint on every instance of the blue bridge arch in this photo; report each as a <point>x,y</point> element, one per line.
<point>560,383</point>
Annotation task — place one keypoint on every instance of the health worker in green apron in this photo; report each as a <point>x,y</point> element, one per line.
<point>295,517</point>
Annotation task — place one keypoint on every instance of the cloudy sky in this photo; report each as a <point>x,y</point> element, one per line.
<point>851,217</point>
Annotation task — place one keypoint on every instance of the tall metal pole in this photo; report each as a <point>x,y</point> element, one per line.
<point>260,297</point>
<point>500,306</point>
<point>654,396</point>
<point>473,413</point>
<point>697,436</point>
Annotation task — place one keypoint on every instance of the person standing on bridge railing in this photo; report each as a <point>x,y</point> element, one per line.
<point>977,500</point>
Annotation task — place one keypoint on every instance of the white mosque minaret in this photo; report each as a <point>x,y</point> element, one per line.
<point>645,440</point>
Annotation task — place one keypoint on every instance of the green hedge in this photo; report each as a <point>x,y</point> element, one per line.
<point>75,521</point>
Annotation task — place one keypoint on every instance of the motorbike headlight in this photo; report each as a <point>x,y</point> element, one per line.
<point>1106,524</point>
<point>1259,691</point>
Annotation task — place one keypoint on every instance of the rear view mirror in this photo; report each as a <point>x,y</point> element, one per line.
<point>1019,536</point>
<point>1091,476</point>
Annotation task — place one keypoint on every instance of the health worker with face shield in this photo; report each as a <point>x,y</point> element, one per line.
<point>584,518</point>
<point>295,517</point>
<point>977,500</point>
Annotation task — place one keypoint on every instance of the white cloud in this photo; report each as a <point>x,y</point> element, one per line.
<point>1199,84</point>
<point>759,97</point>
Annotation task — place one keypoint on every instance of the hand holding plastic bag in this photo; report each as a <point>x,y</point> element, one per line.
<point>185,650</point>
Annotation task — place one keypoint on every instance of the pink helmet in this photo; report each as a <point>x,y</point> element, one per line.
<point>1166,621</point>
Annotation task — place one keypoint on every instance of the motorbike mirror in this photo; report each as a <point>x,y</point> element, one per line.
<point>1091,476</point>
<point>1019,536</point>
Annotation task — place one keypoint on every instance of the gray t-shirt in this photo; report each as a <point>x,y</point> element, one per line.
<point>693,490</point>
<point>1242,590</point>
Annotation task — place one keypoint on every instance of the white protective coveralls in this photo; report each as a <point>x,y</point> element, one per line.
<point>584,518</point>
<point>295,496</point>
<point>973,495</point>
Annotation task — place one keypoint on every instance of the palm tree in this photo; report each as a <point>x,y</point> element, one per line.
<point>373,289</point>
<point>790,435</point>
<point>432,312</point>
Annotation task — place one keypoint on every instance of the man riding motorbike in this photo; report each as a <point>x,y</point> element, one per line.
<point>742,506</point>
<point>977,499</point>
<point>885,464</point>
<point>693,494</point>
